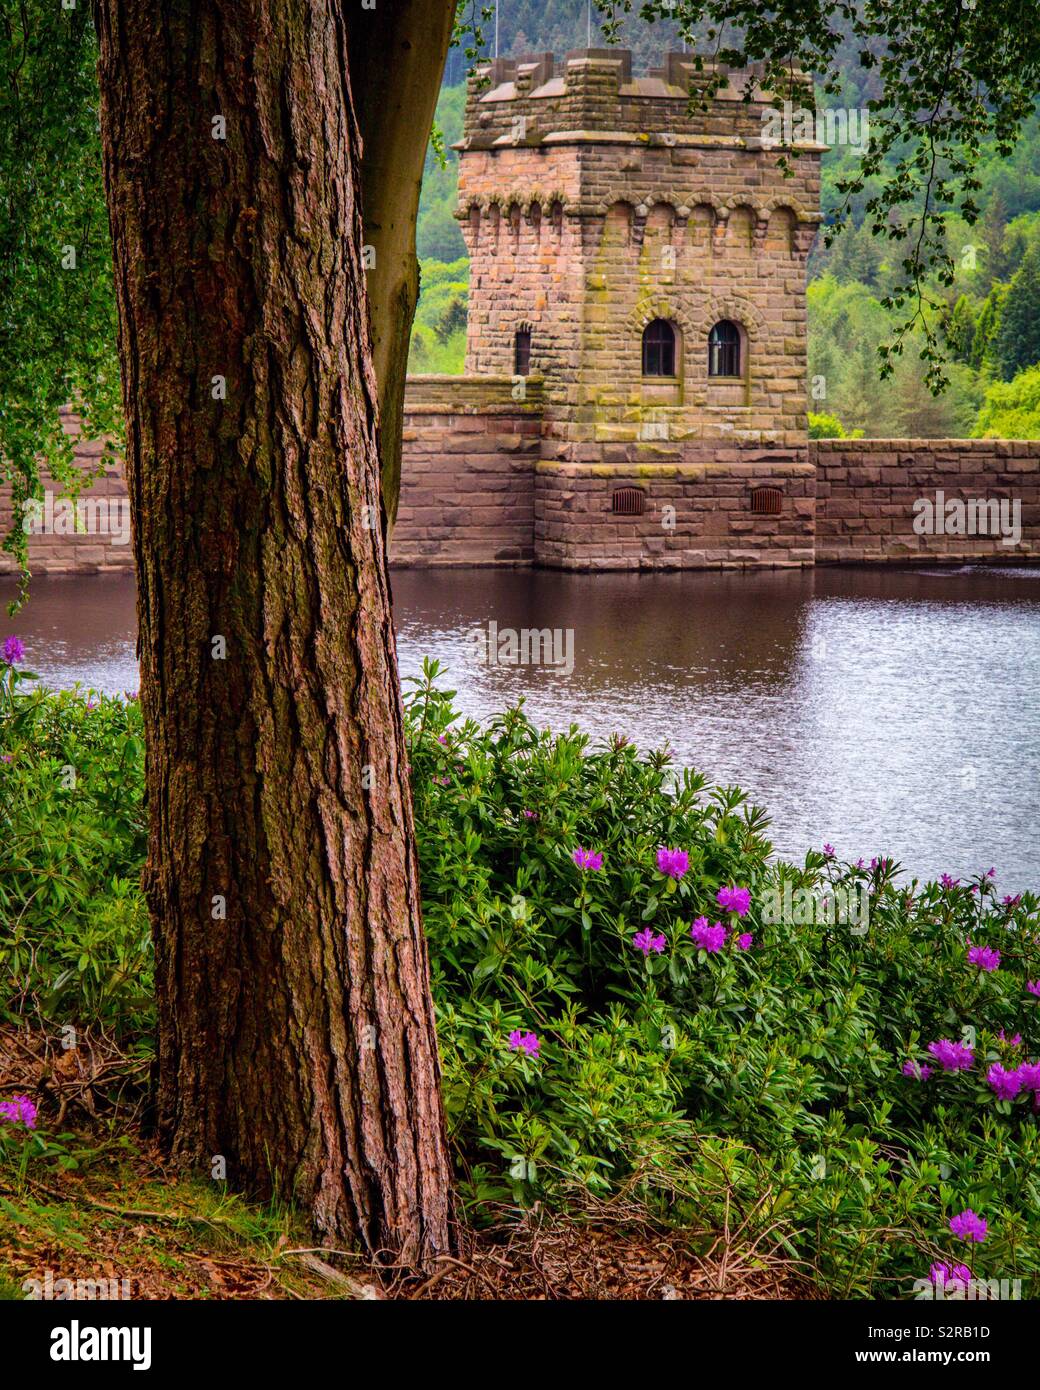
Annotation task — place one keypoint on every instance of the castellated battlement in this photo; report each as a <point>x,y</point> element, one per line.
<point>540,99</point>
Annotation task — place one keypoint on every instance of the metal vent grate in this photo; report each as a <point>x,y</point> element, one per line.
<point>628,501</point>
<point>766,500</point>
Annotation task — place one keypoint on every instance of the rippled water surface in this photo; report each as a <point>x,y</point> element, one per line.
<point>893,712</point>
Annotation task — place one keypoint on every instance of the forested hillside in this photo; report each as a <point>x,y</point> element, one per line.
<point>990,315</point>
<point>557,26</point>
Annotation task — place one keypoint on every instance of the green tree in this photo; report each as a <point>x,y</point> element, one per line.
<point>295,1027</point>
<point>856,256</point>
<point>860,399</point>
<point>830,427</point>
<point>993,228</point>
<point>825,367</point>
<point>913,412</point>
<point>1016,342</point>
<point>439,338</point>
<point>1011,410</point>
<point>987,327</point>
<point>1022,234</point>
<point>960,329</point>
<point>58,343</point>
<point>438,237</point>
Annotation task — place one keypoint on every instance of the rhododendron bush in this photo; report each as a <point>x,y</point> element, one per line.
<point>620,1004</point>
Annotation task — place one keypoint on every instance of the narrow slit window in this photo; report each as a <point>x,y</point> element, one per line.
<point>522,352</point>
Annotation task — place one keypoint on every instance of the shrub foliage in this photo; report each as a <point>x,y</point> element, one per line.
<point>780,1082</point>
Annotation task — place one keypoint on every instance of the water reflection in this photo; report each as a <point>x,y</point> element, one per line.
<point>78,629</point>
<point>887,711</point>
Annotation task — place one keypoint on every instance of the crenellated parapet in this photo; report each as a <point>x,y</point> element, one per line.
<point>546,140</point>
<point>592,94</point>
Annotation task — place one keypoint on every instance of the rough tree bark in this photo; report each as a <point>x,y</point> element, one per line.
<point>295,1028</point>
<point>394,52</point>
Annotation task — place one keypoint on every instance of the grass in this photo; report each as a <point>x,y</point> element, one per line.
<point>126,1216</point>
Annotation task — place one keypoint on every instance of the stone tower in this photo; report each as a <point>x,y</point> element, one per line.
<point>646,258</point>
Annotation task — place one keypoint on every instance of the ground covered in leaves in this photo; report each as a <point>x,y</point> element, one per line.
<point>128,1217</point>
<point>101,1204</point>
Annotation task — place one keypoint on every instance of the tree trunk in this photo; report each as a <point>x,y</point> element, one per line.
<point>395,98</point>
<point>295,1028</point>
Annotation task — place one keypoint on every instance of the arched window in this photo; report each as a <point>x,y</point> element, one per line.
<point>659,348</point>
<point>522,352</point>
<point>724,349</point>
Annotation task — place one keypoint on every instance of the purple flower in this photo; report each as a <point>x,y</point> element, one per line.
<point>948,882</point>
<point>745,941</point>
<point>13,650</point>
<point>19,1110</point>
<point>859,863</point>
<point>985,957</point>
<point>918,1071</point>
<point>1012,902</point>
<point>529,815</point>
<point>941,1274</point>
<point>1014,1041</point>
<point>1004,1084</point>
<point>587,859</point>
<point>968,1226</point>
<point>524,1042</point>
<point>131,696</point>
<point>646,942</point>
<point>1033,986</point>
<point>952,1056</point>
<point>829,851</point>
<point>710,939</point>
<point>6,757</point>
<point>736,900</point>
<point>673,862</point>
<point>1029,1075</point>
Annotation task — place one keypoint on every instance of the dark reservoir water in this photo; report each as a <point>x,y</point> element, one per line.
<point>887,712</point>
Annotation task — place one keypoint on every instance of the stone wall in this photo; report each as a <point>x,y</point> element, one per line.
<point>696,514</point>
<point>481,486</point>
<point>470,449</point>
<point>467,494</point>
<point>869,494</point>
<point>92,537</point>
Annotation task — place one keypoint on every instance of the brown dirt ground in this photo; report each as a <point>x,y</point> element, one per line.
<point>151,1228</point>
<point>122,1213</point>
